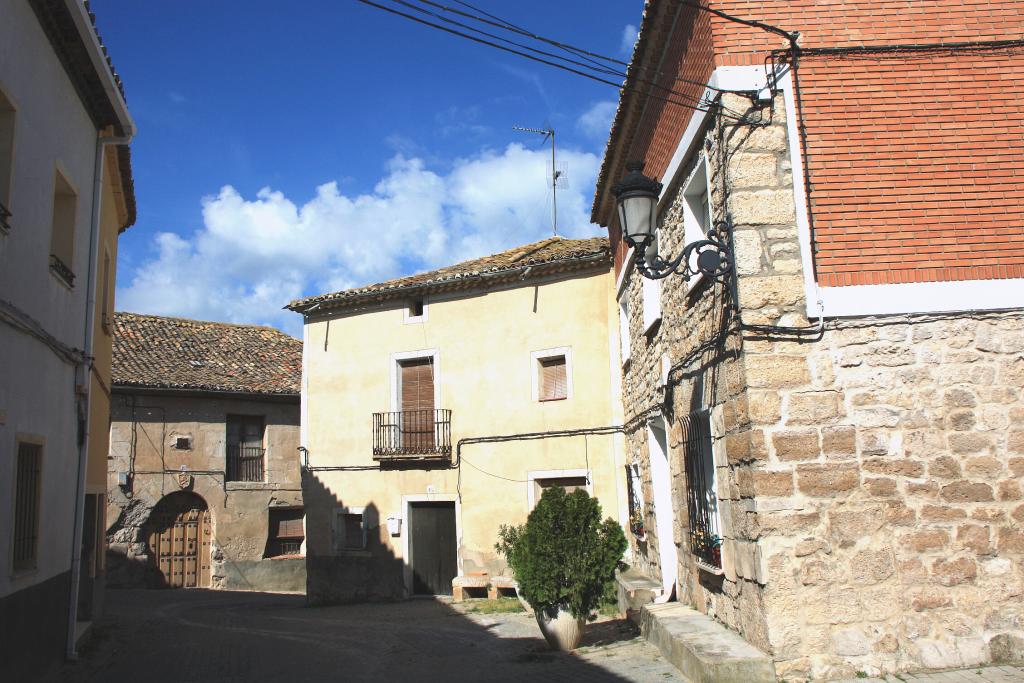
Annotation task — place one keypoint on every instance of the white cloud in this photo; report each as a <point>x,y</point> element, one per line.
<point>596,122</point>
<point>254,255</point>
<point>629,36</point>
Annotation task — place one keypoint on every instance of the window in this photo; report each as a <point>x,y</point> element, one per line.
<point>348,531</point>
<point>26,506</point>
<point>701,496</point>
<point>624,327</point>
<point>415,311</point>
<point>245,448</point>
<point>651,291</point>
<point>62,234</point>
<point>285,533</point>
<point>6,159</point>
<point>569,480</point>
<point>552,374</point>
<point>105,320</point>
<point>552,379</point>
<point>635,492</point>
<point>697,216</point>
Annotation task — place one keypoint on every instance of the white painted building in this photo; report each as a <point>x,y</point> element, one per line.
<point>64,128</point>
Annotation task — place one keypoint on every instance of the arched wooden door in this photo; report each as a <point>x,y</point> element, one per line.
<point>179,541</point>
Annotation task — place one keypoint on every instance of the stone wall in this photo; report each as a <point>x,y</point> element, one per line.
<point>144,431</point>
<point>869,473</point>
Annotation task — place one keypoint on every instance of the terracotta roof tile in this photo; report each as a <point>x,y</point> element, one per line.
<point>549,251</point>
<point>176,353</point>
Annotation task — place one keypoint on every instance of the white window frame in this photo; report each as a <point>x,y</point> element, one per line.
<point>651,294</point>
<point>7,188</point>
<point>697,185</point>
<point>337,529</point>
<point>624,338</point>
<point>537,356</point>
<point>408,319</point>
<point>533,476</point>
<point>396,375</point>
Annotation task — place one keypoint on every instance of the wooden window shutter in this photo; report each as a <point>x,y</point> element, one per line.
<point>26,506</point>
<point>552,379</point>
<point>289,523</point>
<point>418,384</point>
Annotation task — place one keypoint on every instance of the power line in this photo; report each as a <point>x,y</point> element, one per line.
<point>696,105</point>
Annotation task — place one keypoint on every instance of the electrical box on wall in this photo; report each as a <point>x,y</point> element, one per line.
<point>122,479</point>
<point>395,525</point>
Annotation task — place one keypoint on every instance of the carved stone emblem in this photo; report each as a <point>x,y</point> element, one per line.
<point>184,480</point>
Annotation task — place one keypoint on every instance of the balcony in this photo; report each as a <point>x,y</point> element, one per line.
<point>412,435</point>
<point>245,463</point>
<point>62,270</point>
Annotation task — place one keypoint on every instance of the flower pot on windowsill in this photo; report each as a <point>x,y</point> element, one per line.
<point>561,629</point>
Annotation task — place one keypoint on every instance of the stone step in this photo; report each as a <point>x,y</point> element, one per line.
<point>703,649</point>
<point>635,589</point>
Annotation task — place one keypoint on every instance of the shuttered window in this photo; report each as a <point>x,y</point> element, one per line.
<point>26,506</point>
<point>417,384</point>
<point>552,379</point>
<point>286,534</point>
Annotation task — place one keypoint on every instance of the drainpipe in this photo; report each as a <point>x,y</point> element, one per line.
<point>87,344</point>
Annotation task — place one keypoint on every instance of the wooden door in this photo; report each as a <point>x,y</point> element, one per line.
<point>417,393</point>
<point>179,542</point>
<point>433,548</point>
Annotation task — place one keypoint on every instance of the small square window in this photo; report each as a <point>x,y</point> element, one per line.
<point>183,443</point>
<point>416,308</point>
<point>349,532</point>
<point>415,311</point>
<point>553,385</point>
<point>285,534</point>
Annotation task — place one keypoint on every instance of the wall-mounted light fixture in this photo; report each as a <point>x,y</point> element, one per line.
<point>637,199</point>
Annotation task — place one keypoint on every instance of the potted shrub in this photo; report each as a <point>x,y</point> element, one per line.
<point>563,558</point>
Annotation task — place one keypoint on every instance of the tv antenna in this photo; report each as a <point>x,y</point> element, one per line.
<point>558,176</point>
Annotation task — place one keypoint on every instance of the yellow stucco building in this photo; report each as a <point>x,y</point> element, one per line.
<point>436,408</point>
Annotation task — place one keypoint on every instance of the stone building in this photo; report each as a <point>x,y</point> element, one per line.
<point>203,479</point>
<point>66,193</point>
<point>828,451</point>
<point>437,407</point>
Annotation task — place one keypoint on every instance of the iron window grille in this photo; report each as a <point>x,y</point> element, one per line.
<point>62,270</point>
<point>701,498</point>
<point>26,507</point>
<point>245,463</point>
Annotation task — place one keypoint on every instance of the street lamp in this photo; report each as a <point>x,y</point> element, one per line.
<point>637,199</point>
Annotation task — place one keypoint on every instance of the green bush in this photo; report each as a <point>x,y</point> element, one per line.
<point>564,555</point>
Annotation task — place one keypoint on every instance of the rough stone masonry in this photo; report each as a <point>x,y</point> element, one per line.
<point>869,481</point>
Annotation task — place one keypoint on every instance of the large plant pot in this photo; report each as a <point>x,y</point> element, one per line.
<point>563,631</point>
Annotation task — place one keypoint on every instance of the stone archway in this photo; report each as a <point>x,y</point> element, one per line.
<point>178,542</point>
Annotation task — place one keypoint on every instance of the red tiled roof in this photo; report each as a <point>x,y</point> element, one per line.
<point>176,353</point>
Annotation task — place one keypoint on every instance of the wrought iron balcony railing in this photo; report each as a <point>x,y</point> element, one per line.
<point>62,270</point>
<point>412,435</point>
<point>245,463</point>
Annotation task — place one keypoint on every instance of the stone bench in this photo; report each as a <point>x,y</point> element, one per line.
<point>470,582</point>
<point>502,583</point>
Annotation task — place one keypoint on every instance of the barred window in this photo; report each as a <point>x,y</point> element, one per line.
<point>701,498</point>
<point>26,506</point>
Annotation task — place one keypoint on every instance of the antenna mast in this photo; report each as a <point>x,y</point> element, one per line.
<point>557,174</point>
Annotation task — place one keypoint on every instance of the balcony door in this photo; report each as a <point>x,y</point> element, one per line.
<point>245,447</point>
<point>416,392</point>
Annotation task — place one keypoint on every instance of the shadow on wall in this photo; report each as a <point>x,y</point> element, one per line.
<point>370,573</point>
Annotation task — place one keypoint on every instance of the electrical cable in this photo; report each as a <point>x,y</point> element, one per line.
<point>532,57</point>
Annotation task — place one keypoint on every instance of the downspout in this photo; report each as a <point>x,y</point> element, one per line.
<point>87,344</point>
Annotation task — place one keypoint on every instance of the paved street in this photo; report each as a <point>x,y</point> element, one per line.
<point>188,636</point>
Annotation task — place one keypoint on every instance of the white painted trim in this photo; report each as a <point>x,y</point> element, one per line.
<point>803,223</point>
<point>627,267</point>
<point>625,343</point>
<point>414,319</point>
<point>304,389</point>
<point>923,297</point>
<point>533,475</point>
<point>407,530</point>
<point>664,514</point>
<point>651,300</point>
<point>396,358</point>
<point>537,356</point>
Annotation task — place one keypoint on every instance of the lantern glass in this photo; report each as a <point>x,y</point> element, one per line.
<point>636,216</point>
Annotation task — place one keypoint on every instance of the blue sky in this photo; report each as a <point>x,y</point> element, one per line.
<point>291,150</point>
